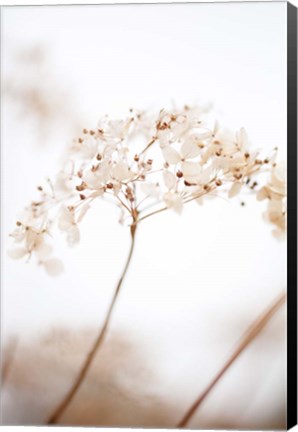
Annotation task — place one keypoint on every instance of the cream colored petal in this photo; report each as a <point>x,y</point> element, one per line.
<point>262,194</point>
<point>191,171</point>
<point>43,250</point>
<point>278,234</point>
<point>94,180</point>
<point>150,189</point>
<point>235,189</point>
<point>83,212</point>
<point>17,253</point>
<point>33,240</point>
<point>163,138</point>
<point>73,236</point>
<point>178,205</point>
<point>216,127</point>
<point>173,200</point>
<point>207,174</point>
<point>200,200</point>
<point>66,219</point>
<point>53,266</point>
<point>63,182</point>
<point>278,178</point>
<point>171,155</point>
<point>204,135</point>
<point>169,179</point>
<point>18,235</point>
<point>275,207</point>
<point>242,139</point>
<point>190,148</point>
<point>97,193</point>
<point>121,172</point>
<point>178,130</point>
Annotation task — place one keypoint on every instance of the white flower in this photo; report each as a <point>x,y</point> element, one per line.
<point>276,214</point>
<point>68,224</point>
<point>276,187</point>
<point>189,150</point>
<point>144,164</point>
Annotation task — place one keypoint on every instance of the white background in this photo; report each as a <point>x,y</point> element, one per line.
<point>216,267</point>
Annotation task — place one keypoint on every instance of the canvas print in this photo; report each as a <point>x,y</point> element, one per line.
<point>144,236</point>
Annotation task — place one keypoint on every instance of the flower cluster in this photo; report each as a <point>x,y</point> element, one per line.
<point>146,164</point>
<point>275,192</point>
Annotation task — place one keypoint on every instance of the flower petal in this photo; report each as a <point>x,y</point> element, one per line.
<point>191,171</point>
<point>121,172</point>
<point>190,148</point>
<point>171,155</point>
<point>73,236</point>
<point>43,250</point>
<point>174,200</point>
<point>235,189</point>
<point>66,219</point>
<point>53,266</point>
<point>169,179</point>
<point>17,253</point>
<point>150,189</point>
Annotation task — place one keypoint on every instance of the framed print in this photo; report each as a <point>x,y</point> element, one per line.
<point>149,215</point>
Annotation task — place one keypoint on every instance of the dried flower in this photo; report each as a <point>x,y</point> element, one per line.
<point>275,193</point>
<point>180,160</point>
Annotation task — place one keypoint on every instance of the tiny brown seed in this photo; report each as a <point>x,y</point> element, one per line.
<point>81,187</point>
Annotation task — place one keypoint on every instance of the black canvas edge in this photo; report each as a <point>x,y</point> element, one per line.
<point>292,216</point>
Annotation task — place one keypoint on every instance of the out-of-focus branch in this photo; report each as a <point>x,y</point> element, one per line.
<point>7,359</point>
<point>252,332</point>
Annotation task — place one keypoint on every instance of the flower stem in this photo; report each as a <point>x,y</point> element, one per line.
<point>251,333</point>
<point>55,416</point>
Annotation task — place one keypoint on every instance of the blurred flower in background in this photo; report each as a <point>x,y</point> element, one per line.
<point>35,96</point>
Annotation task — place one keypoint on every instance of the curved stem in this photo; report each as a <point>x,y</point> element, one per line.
<point>253,331</point>
<point>98,342</point>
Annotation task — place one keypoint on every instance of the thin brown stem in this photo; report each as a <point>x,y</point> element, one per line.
<point>251,333</point>
<point>153,213</point>
<point>148,145</point>
<point>58,412</point>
